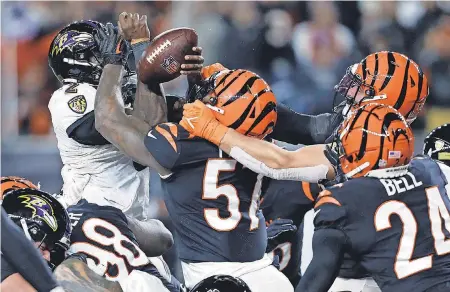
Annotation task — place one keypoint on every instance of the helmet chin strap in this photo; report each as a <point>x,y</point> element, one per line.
<point>357,170</point>
<point>216,109</point>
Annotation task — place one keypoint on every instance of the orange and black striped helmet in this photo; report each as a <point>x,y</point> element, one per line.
<point>9,183</point>
<point>241,100</point>
<point>388,78</point>
<point>374,137</point>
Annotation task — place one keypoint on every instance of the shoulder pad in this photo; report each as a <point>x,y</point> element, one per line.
<point>329,211</point>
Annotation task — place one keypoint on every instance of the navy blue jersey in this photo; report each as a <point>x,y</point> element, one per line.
<point>212,200</point>
<point>398,228</point>
<point>102,233</point>
<point>288,200</point>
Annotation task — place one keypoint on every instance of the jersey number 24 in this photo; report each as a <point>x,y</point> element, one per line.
<point>211,191</point>
<point>404,266</point>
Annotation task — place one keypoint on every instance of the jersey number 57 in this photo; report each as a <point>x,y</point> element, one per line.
<point>211,191</point>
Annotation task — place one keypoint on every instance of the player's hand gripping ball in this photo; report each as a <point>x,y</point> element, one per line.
<point>171,54</point>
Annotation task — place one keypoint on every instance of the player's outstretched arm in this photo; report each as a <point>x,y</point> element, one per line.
<point>125,132</point>
<point>149,104</point>
<point>74,275</point>
<point>328,250</point>
<point>306,164</point>
<point>296,128</point>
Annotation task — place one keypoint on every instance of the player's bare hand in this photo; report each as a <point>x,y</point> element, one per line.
<point>194,63</point>
<point>200,121</point>
<point>133,27</point>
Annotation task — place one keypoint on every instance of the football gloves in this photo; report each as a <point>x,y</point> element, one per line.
<point>113,49</point>
<point>279,231</point>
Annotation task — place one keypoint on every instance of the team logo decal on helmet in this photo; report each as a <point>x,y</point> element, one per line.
<point>78,104</point>
<point>439,145</point>
<point>69,39</point>
<point>41,208</point>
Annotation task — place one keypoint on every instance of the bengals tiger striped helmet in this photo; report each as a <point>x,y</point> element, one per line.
<point>374,137</point>
<point>240,100</point>
<point>9,183</point>
<point>388,78</point>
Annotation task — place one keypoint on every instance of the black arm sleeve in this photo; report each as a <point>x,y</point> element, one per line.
<point>6,268</point>
<point>24,257</point>
<point>328,250</point>
<point>83,131</point>
<point>295,128</point>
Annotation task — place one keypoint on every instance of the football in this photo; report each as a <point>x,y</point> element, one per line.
<point>162,60</point>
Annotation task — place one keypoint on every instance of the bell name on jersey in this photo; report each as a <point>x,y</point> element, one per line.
<point>400,185</point>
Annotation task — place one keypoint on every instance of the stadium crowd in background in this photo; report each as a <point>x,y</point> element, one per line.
<point>301,48</point>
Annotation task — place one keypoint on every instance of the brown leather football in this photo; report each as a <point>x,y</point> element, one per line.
<point>162,60</point>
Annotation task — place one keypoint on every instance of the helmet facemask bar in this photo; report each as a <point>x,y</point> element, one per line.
<point>349,82</point>
<point>203,89</point>
<point>93,62</point>
<point>35,234</point>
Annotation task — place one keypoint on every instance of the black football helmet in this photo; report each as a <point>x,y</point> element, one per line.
<point>73,53</point>
<point>437,144</point>
<point>42,218</point>
<point>221,283</point>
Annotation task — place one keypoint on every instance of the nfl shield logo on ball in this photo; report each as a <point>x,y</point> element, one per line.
<point>170,65</point>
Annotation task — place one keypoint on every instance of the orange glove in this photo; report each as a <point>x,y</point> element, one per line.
<point>200,121</point>
<point>211,69</point>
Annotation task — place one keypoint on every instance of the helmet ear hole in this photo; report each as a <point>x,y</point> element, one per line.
<point>213,100</point>
<point>370,92</point>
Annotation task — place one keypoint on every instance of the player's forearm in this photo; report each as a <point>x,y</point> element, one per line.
<point>328,250</point>
<point>296,128</point>
<point>272,155</point>
<point>75,276</point>
<point>152,236</point>
<point>307,164</point>
<point>125,132</point>
<point>109,107</point>
<point>150,104</point>
<point>265,152</point>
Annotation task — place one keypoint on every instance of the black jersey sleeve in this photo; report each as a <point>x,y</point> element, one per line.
<point>173,146</point>
<point>296,128</point>
<point>6,268</point>
<point>329,212</point>
<point>328,250</point>
<point>83,131</point>
<point>24,257</point>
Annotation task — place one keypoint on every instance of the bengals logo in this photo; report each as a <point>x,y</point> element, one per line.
<point>78,104</point>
